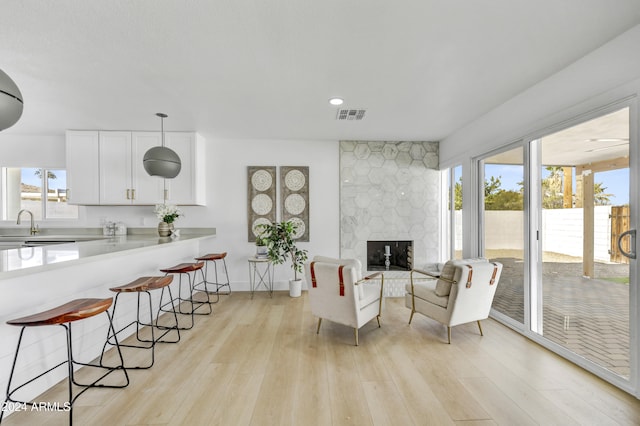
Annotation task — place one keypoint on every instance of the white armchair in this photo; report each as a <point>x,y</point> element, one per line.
<point>337,292</point>
<point>462,293</point>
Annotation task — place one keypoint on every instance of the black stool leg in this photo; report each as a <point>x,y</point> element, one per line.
<point>179,299</point>
<point>204,283</point>
<point>13,368</point>
<point>222,285</point>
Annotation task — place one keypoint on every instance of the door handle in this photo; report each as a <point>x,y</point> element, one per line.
<point>632,252</point>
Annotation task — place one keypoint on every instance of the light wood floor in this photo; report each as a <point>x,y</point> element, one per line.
<point>260,362</point>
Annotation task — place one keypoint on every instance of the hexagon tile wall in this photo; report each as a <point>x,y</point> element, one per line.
<point>390,191</point>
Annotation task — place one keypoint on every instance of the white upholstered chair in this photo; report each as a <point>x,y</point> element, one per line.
<point>338,293</point>
<point>462,293</point>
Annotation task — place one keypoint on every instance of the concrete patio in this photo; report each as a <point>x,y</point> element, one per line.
<point>588,316</point>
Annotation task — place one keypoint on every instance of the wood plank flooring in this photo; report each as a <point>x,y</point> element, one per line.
<point>259,362</point>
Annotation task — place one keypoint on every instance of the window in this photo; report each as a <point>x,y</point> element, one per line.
<point>453,228</point>
<point>41,191</point>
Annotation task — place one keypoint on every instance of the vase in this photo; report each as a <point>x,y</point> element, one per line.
<point>164,229</point>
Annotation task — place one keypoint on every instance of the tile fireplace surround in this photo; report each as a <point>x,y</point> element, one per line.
<point>390,191</point>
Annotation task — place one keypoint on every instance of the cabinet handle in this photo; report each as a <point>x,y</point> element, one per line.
<point>133,194</point>
<point>128,196</point>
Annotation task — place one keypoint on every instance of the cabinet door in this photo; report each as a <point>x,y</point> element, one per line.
<point>115,168</point>
<point>82,167</point>
<point>188,186</point>
<point>147,189</point>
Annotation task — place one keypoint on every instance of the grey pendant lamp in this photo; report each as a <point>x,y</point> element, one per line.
<point>160,160</point>
<point>10,102</point>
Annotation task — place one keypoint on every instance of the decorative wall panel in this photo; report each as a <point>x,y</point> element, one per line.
<point>294,188</point>
<point>261,197</point>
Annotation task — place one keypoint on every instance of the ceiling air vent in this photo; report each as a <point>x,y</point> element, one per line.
<point>350,114</point>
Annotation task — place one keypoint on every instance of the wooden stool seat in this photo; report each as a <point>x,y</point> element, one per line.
<point>72,311</point>
<point>63,316</point>
<point>186,269</point>
<point>144,284</point>
<point>140,286</point>
<point>183,268</point>
<point>212,256</point>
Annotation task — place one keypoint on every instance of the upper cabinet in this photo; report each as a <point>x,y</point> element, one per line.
<point>117,172</point>
<point>82,167</point>
<point>188,187</point>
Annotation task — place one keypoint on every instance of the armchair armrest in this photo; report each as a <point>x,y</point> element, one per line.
<point>375,275</point>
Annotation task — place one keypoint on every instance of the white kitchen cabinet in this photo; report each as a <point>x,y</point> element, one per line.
<point>189,186</point>
<point>105,168</point>
<point>123,179</point>
<point>83,184</point>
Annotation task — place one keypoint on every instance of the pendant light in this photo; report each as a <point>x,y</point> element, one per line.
<point>160,160</point>
<point>10,102</point>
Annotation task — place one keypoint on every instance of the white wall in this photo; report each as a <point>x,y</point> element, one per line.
<point>226,162</point>
<point>562,231</point>
<point>577,89</point>
<point>227,197</point>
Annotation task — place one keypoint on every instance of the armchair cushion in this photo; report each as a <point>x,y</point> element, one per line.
<point>443,288</point>
<point>368,293</point>
<point>427,290</point>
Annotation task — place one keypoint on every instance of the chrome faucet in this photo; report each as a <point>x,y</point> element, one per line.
<point>34,228</point>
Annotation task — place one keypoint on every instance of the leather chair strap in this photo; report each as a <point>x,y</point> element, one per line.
<point>470,275</point>
<point>341,277</point>
<point>314,284</point>
<point>495,272</point>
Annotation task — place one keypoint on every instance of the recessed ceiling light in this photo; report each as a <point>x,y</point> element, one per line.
<point>336,101</point>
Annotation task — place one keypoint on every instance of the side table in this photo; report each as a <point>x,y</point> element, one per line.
<point>261,272</point>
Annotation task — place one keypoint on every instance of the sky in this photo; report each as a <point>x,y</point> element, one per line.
<point>29,177</point>
<point>616,182</point>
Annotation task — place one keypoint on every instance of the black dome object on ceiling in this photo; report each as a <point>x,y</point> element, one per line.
<point>11,105</point>
<point>160,160</point>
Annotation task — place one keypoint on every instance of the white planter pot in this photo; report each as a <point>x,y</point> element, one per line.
<point>295,288</point>
<point>261,251</point>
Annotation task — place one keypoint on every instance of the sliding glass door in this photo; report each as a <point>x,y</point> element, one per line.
<point>503,229</point>
<point>558,213</point>
<point>582,188</point>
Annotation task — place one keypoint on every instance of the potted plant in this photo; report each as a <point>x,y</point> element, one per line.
<point>166,214</point>
<point>281,246</point>
<point>261,247</point>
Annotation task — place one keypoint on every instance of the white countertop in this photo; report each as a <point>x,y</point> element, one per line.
<point>27,260</point>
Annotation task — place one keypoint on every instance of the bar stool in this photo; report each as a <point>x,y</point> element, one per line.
<point>186,269</point>
<point>64,315</point>
<point>214,257</point>
<point>140,286</point>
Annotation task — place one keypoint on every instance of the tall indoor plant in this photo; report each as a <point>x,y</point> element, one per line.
<point>282,246</point>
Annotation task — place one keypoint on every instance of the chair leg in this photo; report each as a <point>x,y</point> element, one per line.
<point>319,322</point>
<point>356,333</point>
<point>480,327</point>
<point>378,318</point>
<point>449,334</point>
<point>411,317</point>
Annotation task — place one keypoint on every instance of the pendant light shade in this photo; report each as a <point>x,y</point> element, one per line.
<point>160,160</point>
<point>10,102</point>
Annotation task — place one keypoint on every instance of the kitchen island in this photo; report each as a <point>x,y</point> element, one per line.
<point>33,279</point>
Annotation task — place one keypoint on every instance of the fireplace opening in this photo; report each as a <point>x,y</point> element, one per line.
<point>389,255</point>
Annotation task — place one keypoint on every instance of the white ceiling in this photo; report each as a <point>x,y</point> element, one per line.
<point>265,69</point>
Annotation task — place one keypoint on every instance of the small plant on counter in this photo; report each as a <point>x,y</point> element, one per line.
<point>167,213</point>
